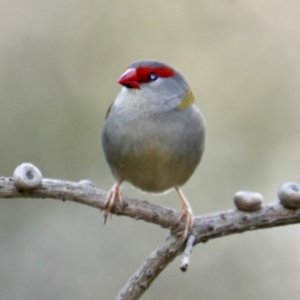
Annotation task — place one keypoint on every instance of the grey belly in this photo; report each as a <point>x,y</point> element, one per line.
<point>153,155</point>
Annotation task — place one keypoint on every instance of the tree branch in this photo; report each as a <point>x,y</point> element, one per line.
<point>84,194</point>
<point>205,227</point>
<point>151,268</point>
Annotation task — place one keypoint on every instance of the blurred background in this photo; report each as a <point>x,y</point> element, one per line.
<point>59,63</point>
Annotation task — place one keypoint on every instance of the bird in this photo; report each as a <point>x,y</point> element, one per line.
<point>154,134</point>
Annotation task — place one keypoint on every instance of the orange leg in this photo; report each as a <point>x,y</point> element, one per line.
<point>186,211</point>
<point>113,195</point>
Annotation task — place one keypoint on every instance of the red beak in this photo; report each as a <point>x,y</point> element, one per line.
<point>130,79</point>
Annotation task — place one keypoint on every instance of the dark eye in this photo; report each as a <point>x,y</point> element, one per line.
<point>152,76</point>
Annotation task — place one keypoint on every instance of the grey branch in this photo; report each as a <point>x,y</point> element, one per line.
<point>151,268</point>
<point>205,227</point>
<point>187,253</point>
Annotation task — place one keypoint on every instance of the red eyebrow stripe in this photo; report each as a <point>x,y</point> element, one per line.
<point>143,73</point>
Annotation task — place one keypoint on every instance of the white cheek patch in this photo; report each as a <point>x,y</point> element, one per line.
<point>126,97</point>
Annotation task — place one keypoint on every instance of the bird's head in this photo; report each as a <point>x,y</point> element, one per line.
<point>158,83</point>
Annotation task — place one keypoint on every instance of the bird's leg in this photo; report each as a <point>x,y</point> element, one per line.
<point>186,211</point>
<point>113,195</point>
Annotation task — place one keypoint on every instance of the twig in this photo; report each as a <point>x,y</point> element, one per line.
<point>151,268</point>
<point>187,253</point>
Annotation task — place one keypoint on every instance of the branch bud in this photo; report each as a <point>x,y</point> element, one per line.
<point>27,177</point>
<point>248,201</point>
<point>289,195</point>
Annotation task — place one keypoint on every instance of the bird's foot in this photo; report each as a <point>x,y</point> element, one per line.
<point>186,211</point>
<point>113,196</point>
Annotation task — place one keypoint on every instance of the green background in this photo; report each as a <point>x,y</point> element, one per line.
<point>59,63</point>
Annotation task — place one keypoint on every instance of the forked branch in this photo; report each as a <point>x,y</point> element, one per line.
<point>205,227</point>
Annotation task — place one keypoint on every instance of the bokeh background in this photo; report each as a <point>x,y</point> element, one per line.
<point>59,63</point>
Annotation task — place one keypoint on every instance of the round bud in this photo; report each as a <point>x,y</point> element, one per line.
<point>289,195</point>
<point>27,177</point>
<point>248,201</point>
<point>86,182</point>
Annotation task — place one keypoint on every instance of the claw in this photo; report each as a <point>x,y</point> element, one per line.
<point>113,195</point>
<point>186,211</point>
